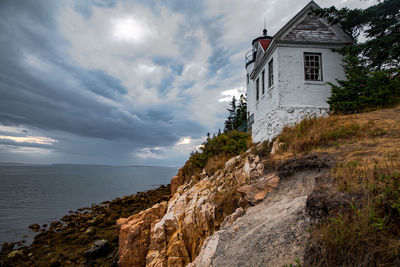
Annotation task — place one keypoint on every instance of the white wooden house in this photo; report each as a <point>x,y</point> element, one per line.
<point>287,74</point>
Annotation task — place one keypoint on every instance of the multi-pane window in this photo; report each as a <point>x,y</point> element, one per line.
<point>312,67</point>
<point>263,82</point>
<point>270,73</point>
<point>257,89</point>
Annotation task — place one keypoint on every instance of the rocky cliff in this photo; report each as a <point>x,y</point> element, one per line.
<point>172,234</point>
<point>264,209</point>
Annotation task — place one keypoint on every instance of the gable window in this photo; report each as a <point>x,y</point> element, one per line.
<point>270,73</point>
<point>312,67</point>
<point>263,82</point>
<point>257,89</point>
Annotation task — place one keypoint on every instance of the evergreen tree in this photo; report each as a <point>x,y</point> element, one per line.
<point>229,122</point>
<point>240,116</point>
<point>371,67</point>
<point>237,114</point>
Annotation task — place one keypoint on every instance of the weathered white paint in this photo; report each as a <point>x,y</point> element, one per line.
<point>291,98</point>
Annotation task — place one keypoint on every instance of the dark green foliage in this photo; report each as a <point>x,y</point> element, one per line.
<point>237,114</point>
<point>379,23</point>
<point>371,67</point>
<point>228,144</point>
<point>363,89</point>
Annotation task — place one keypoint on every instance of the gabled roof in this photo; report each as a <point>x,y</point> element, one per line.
<point>306,29</point>
<point>333,33</point>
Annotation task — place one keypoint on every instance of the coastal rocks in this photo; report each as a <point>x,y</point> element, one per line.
<point>100,248</point>
<point>78,231</point>
<point>56,225</point>
<point>90,230</point>
<point>134,236</point>
<point>257,191</point>
<point>198,207</point>
<point>7,246</point>
<point>14,254</point>
<point>34,227</point>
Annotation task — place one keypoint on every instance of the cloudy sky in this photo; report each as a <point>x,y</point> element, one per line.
<point>124,82</point>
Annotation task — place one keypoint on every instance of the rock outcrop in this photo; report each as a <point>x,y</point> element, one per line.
<point>196,210</point>
<point>134,238</point>
<point>272,233</point>
<point>214,220</point>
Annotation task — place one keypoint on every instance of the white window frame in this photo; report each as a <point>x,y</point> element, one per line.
<point>313,67</point>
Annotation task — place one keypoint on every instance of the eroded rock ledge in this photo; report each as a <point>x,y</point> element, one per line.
<point>220,209</point>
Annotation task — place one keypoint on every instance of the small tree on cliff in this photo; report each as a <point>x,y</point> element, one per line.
<point>229,122</point>
<point>237,114</point>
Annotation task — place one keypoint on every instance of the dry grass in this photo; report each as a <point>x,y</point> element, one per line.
<point>326,132</point>
<point>367,149</point>
<point>370,230</point>
<point>215,163</point>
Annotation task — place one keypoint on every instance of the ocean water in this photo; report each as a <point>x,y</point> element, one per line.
<point>44,193</point>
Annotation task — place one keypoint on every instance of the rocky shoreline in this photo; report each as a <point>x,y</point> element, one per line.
<point>87,236</point>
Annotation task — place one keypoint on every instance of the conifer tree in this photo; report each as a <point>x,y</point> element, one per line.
<point>372,66</point>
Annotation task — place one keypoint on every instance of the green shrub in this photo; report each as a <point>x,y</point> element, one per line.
<point>225,145</point>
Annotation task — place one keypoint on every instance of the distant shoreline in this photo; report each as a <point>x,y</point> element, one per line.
<point>65,241</point>
<point>73,164</point>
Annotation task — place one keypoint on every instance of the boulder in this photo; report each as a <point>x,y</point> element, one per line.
<point>257,191</point>
<point>34,227</point>
<point>56,225</point>
<point>99,249</point>
<point>14,254</point>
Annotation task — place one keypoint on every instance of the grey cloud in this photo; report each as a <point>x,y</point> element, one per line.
<point>60,98</point>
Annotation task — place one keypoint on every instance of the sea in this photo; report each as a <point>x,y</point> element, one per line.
<point>44,193</point>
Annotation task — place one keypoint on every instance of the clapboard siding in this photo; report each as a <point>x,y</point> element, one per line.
<point>311,29</point>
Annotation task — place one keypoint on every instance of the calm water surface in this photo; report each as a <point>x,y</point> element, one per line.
<point>44,193</point>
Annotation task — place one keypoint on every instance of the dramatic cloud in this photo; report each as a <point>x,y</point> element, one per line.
<point>124,82</point>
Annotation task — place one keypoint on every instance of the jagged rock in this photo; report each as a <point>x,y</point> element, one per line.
<point>134,236</point>
<point>197,208</point>
<point>231,218</point>
<point>176,181</point>
<point>99,249</point>
<point>272,233</point>
<point>257,191</point>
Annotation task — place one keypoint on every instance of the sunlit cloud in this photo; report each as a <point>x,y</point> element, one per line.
<point>148,153</point>
<point>130,29</point>
<point>184,141</point>
<point>29,139</point>
<point>227,95</point>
